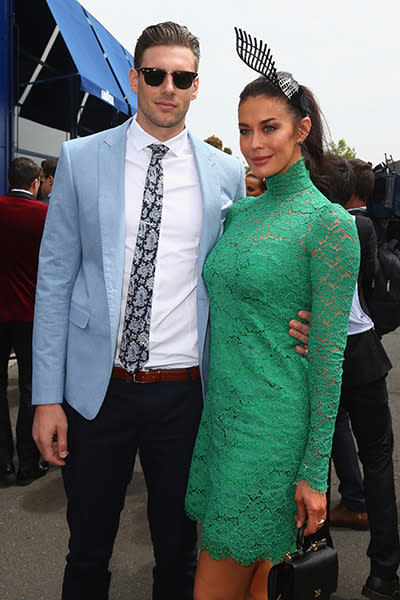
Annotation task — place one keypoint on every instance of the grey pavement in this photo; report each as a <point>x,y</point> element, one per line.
<point>34,535</point>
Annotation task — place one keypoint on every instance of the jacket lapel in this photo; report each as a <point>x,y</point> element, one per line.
<point>210,193</point>
<point>111,169</point>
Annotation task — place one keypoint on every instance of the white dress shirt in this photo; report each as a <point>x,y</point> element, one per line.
<point>359,321</point>
<point>173,326</point>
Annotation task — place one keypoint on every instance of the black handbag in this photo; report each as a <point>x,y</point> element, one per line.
<point>306,574</point>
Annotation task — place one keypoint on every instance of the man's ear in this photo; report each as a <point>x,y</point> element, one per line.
<point>133,80</point>
<point>34,188</point>
<point>195,90</point>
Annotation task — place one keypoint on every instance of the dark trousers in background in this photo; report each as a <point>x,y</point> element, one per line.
<point>345,459</point>
<point>17,335</point>
<point>372,426</point>
<point>160,421</point>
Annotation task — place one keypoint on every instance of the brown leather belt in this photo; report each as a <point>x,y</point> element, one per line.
<point>157,375</point>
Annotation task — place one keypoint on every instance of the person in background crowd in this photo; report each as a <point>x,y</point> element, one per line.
<point>364,182</point>
<point>364,396</point>
<point>353,182</point>
<point>255,186</point>
<point>22,220</point>
<point>115,372</point>
<point>47,173</point>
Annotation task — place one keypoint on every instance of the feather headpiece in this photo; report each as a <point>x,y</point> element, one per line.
<point>256,55</point>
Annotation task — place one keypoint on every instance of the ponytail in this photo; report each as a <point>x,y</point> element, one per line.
<point>313,145</point>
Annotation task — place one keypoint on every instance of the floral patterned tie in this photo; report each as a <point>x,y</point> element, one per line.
<point>134,349</point>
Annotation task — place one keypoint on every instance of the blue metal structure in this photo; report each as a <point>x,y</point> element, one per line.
<point>6,90</point>
<point>61,68</point>
<point>101,62</point>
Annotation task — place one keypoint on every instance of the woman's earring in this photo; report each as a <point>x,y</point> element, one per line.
<point>300,144</point>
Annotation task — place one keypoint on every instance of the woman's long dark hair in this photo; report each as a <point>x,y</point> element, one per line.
<point>313,146</point>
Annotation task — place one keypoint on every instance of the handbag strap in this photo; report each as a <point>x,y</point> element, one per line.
<point>300,536</point>
<point>300,543</point>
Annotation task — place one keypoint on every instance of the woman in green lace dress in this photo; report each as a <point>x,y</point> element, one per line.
<point>261,457</point>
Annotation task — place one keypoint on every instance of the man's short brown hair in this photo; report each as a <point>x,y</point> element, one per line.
<point>49,166</point>
<point>364,178</point>
<point>166,34</point>
<point>22,172</point>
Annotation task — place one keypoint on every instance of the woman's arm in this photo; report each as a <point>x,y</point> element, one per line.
<point>333,250</point>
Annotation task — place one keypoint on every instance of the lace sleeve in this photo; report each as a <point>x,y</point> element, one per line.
<point>333,249</point>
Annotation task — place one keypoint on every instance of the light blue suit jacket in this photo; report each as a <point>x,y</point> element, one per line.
<point>78,298</point>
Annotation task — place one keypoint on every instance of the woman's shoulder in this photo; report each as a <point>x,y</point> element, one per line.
<point>326,211</point>
<point>334,228</point>
<point>331,212</point>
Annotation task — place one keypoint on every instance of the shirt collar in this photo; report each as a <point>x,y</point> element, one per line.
<point>141,139</point>
<point>23,191</point>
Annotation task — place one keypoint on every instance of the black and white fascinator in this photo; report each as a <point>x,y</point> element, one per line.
<point>256,55</point>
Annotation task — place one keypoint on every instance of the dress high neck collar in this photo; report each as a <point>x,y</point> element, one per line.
<point>296,177</point>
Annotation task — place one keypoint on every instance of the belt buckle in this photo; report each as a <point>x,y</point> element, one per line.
<point>136,380</point>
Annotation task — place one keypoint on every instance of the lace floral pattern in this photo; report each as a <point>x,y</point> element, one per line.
<point>269,413</point>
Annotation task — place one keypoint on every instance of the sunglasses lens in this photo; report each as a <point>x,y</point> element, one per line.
<point>183,79</point>
<point>154,77</point>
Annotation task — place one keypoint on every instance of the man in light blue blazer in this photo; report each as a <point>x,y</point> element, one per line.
<point>92,414</point>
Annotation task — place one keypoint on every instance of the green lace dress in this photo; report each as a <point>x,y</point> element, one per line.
<point>270,413</point>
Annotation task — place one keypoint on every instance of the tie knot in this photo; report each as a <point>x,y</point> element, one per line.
<point>158,151</point>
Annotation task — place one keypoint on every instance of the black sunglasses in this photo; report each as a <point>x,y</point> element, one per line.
<point>154,77</point>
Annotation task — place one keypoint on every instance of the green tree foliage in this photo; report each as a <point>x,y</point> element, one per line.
<point>342,149</point>
<point>213,140</point>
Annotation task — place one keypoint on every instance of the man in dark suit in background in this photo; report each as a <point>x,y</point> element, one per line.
<point>47,173</point>
<point>22,220</point>
<point>364,395</point>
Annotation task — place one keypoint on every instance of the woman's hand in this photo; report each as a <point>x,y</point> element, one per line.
<point>310,505</point>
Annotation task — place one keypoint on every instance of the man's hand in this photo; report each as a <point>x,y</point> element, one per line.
<point>300,331</point>
<point>50,433</point>
<point>310,505</point>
